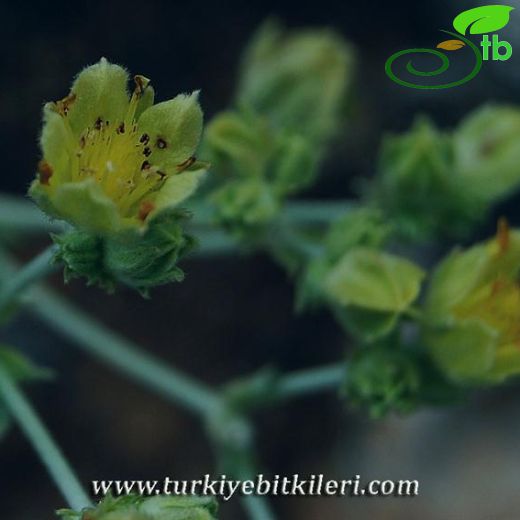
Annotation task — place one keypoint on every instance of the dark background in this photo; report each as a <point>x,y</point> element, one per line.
<point>233,315</point>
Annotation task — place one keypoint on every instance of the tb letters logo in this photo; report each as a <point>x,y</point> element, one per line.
<point>482,21</point>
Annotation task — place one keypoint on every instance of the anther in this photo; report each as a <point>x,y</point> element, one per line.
<point>146,165</point>
<point>145,209</point>
<point>186,164</point>
<point>161,143</point>
<point>147,152</point>
<point>121,128</point>
<point>145,138</point>
<point>44,172</point>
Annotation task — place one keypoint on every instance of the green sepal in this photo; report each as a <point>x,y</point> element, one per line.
<point>138,259</point>
<point>144,261</point>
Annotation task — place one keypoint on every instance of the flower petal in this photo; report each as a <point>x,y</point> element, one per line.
<point>100,92</point>
<point>53,142</point>
<point>177,189</point>
<point>86,205</point>
<point>174,128</point>
<point>374,280</point>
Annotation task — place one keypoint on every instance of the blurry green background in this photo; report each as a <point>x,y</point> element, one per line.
<point>233,315</point>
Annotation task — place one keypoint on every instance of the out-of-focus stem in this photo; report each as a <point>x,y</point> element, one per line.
<point>34,271</point>
<point>42,442</point>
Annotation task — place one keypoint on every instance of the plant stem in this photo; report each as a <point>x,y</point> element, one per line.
<point>37,269</point>
<point>123,355</point>
<point>42,442</point>
<point>18,214</point>
<point>311,381</point>
<point>257,508</point>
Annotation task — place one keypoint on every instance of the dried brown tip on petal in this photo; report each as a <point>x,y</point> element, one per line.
<point>63,105</point>
<point>186,164</point>
<point>503,234</point>
<point>141,82</point>
<point>44,172</point>
<point>145,209</point>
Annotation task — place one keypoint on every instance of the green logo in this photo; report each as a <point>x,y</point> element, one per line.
<point>481,20</point>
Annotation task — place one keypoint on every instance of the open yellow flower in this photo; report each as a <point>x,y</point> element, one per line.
<point>473,310</point>
<point>113,161</point>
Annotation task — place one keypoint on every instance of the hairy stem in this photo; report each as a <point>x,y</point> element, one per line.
<point>42,442</point>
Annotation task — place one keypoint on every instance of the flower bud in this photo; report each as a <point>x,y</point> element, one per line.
<point>487,155</point>
<point>382,380</point>
<point>372,289</point>
<point>245,207</point>
<point>363,226</point>
<point>472,322</point>
<point>297,79</point>
<point>417,186</point>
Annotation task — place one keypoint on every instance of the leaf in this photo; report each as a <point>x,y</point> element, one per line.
<point>482,20</point>
<point>451,45</point>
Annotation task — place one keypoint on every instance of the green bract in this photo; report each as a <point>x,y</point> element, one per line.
<point>133,507</point>
<point>112,161</point>
<point>375,288</point>
<point>473,311</point>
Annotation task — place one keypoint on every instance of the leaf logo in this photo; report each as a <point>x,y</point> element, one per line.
<point>451,45</point>
<point>482,20</point>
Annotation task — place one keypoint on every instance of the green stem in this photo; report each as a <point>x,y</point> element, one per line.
<point>18,214</point>
<point>311,381</point>
<point>37,269</point>
<point>257,508</point>
<point>42,442</point>
<point>123,355</point>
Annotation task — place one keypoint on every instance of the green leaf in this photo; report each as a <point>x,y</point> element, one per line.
<point>482,20</point>
<point>374,280</point>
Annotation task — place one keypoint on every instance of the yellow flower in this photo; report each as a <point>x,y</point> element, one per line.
<point>473,310</point>
<point>113,161</point>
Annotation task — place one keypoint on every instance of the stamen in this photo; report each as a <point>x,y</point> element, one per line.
<point>186,164</point>
<point>145,209</point>
<point>44,172</point>
<point>503,234</point>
